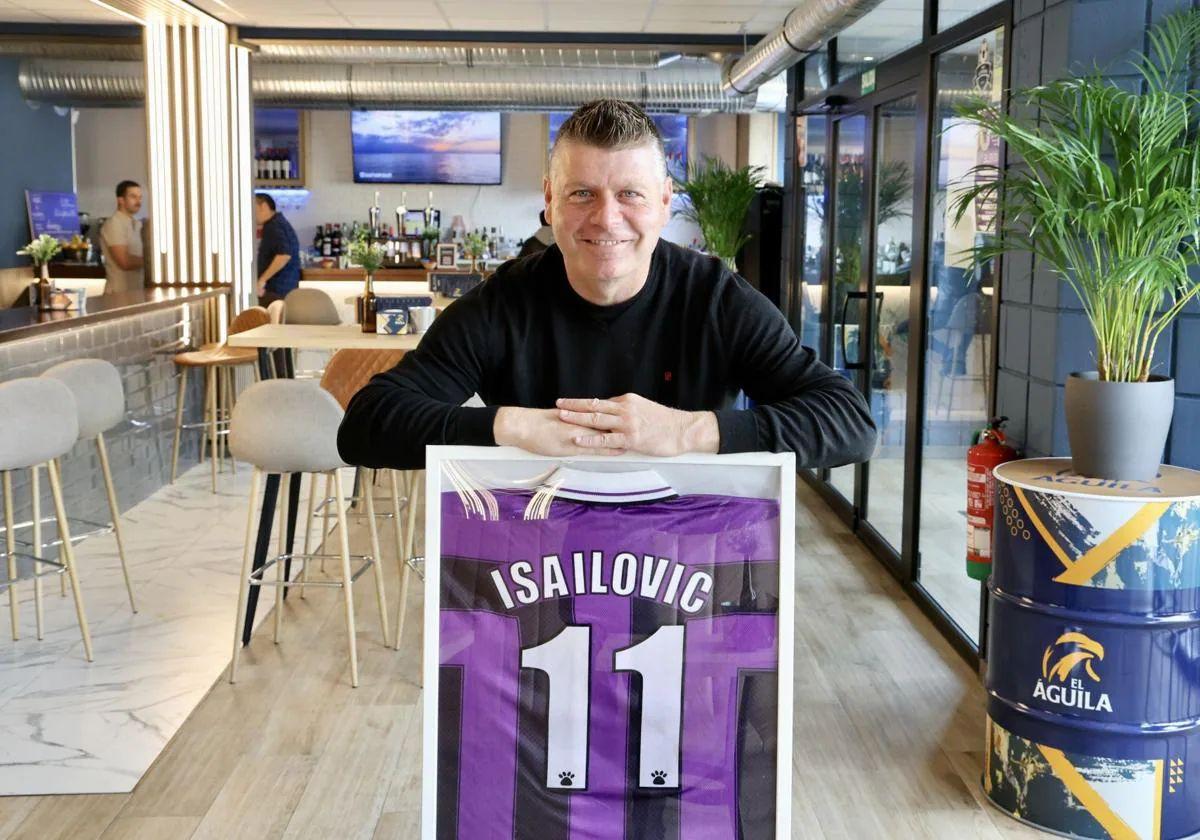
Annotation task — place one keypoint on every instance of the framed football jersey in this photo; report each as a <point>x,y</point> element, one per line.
<point>608,646</point>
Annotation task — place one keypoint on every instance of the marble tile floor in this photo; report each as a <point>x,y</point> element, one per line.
<point>70,726</point>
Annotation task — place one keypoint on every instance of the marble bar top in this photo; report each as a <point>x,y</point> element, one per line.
<point>26,321</point>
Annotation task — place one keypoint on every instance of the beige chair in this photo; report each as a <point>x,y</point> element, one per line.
<point>287,426</point>
<point>100,400</point>
<point>219,363</point>
<point>39,423</point>
<point>348,371</point>
<point>314,307</point>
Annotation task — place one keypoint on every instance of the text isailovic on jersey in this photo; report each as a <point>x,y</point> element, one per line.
<point>659,579</point>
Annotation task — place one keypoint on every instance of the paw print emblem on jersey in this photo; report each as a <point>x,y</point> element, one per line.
<point>566,779</point>
<point>659,777</point>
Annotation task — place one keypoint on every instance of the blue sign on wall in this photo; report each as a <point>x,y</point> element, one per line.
<point>55,213</point>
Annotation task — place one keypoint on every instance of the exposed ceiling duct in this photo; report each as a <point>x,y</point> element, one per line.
<point>686,85</point>
<point>804,30</point>
<point>88,50</point>
<point>91,84</point>
<point>382,52</point>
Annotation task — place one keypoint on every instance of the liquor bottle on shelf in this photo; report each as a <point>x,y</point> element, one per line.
<point>286,162</point>
<point>337,239</point>
<point>327,241</point>
<point>318,241</point>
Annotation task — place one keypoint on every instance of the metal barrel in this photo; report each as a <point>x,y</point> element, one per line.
<point>1093,668</point>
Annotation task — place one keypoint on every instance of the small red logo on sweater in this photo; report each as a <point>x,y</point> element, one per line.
<point>666,376</point>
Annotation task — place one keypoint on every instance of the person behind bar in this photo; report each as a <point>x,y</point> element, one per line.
<point>121,242</point>
<point>611,340</point>
<point>278,252</point>
<point>542,238</point>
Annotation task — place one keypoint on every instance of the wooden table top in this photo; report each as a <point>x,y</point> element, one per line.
<point>310,337</point>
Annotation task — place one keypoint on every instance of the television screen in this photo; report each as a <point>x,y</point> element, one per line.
<point>426,147</point>
<point>672,127</point>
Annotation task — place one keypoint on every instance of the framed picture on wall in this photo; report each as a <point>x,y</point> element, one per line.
<point>447,255</point>
<point>592,648</point>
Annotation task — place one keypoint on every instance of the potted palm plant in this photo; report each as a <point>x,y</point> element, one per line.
<point>1108,197</point>
<point>718,199</point>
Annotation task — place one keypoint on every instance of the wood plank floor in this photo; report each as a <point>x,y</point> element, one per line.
<point>888,732</point>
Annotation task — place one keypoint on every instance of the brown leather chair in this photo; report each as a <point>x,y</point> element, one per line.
<point>345,375</point>
<point>219,363</point>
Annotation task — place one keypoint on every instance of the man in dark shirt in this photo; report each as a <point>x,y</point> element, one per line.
<point>612,340</point>
<point>278,252</point>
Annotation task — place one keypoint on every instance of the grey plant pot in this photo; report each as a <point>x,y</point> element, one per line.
<point>1118,430</point>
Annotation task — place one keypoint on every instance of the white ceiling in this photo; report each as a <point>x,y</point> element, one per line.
<point>687,17</point>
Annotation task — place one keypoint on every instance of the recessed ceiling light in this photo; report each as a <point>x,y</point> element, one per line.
<point>868,58</point>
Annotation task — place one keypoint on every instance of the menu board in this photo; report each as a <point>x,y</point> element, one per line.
<point>55,213</point>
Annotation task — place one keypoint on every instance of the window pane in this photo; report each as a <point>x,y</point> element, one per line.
<point>810,158</point>
<point>958,345</point>
<point>889,28</point>
<point>951,12</point>
<point>848,222</point>
<point>816,73</point>
<point>895,151</point>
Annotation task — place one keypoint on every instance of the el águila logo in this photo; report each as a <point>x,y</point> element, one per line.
<point>1072,653</point>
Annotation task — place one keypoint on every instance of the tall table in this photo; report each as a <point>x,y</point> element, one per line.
<point>298,337</point>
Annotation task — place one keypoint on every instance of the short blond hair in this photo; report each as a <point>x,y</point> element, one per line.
<point>611,124</point>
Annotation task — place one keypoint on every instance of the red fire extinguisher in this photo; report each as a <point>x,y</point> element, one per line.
<point>989,453</point>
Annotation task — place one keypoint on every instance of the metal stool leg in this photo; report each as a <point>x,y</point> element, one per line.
<point>116,515</point>
<point>325,516</point>
<point>347,591</point>
<point>211,377</point>
<point>179,400</point>
<point>10,539</point>
<point>312,499</point>
<point>36,498</point>
<point>281,547</point>
<point>405,569</point>
<point>377,565</point>
<point>244,583</point>
<point>68,554</point>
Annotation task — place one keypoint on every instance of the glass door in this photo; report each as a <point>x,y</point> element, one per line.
<point>958,343</point>
<point>849,226</point>
<point>887,292</point>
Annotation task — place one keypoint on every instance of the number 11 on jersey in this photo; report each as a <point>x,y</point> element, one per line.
<point>565,659</point>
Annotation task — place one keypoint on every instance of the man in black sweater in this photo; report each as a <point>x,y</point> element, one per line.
<point>611,340</point>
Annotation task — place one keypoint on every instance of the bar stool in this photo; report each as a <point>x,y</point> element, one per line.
<point>287,426</point>
<point>219,362</point>
<point>100,401</point>
<point>313,307</point>
<point>346,374</point>
<point>38,424</point>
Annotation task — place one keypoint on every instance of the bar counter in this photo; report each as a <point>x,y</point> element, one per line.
<point>140,332</point>
<point>27,322</point>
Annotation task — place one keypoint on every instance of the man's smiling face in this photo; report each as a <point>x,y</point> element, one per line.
<point>607,208</point>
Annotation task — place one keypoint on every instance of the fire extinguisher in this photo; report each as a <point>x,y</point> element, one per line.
<point>989,453</point>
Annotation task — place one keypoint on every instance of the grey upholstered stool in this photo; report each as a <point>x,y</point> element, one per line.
<point>287,426</point>
<point>310,306</point>
<point>38,424</point>
<point>100,400</point>
<point>314,307</point>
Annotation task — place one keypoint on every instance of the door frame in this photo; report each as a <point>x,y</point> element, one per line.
<point>912,71</point>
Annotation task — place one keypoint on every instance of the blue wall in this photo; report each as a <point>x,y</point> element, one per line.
<point>35,154</point>
<point>1044,335</point>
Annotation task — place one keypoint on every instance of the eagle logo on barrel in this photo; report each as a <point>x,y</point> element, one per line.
<point>1078,650</point>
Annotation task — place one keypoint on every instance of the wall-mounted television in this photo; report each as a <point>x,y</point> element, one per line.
<point>672,127</point>
<point>426,147</point>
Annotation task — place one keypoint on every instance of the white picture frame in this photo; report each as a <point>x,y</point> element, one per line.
<point>776,475</point>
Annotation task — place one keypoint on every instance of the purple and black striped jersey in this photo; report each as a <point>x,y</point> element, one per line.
<point>608,668</point>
